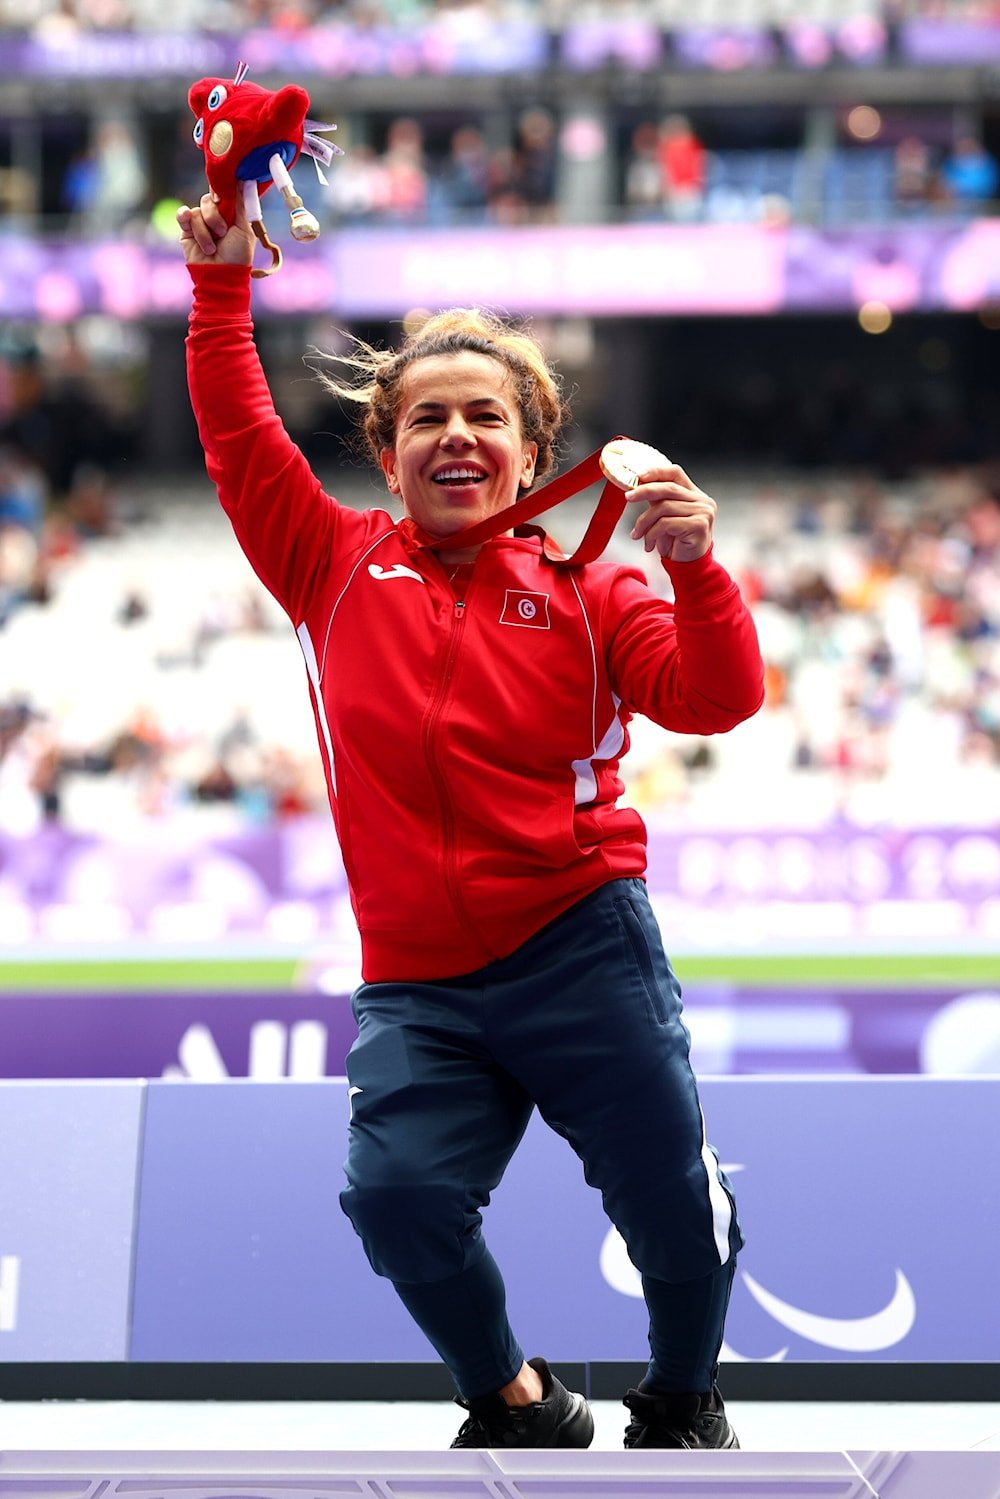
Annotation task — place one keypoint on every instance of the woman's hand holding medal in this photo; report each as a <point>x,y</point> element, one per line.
<point>679,518</point>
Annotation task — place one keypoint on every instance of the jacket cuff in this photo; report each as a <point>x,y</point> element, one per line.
<point>221,293</point>
<point>700,583</point>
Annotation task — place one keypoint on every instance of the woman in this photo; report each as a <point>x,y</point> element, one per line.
<point>471,707</point>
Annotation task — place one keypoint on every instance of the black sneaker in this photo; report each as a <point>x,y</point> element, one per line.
<point>677,1420</point>
<point>559,1419</point>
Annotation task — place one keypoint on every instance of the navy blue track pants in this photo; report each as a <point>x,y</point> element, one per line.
<point>583,1021</point>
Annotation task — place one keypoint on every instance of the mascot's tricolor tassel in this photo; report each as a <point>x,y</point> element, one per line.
<point>250,137</point>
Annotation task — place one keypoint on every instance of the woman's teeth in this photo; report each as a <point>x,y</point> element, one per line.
<point>459,476</point>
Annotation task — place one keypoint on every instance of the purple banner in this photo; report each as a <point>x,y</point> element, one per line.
<point>469,42</point>
<point>626,269</point>
<point>628,40</point>
<point>286,883</point>
<point>173,886</point>
<point>462,42</point>
<point>862,40</point>
<point>107,55</point>
<point>736,1028</point>
<point>857,865</point>
<point>198,1036</point>
<point>908,267</point>
<point>725,49</point>
<point>930,42</point>
<point>633,268</point>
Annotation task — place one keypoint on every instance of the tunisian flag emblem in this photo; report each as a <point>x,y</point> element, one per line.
<point>530,610</point>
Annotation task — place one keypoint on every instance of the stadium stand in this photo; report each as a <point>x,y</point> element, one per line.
<point>136,688</point>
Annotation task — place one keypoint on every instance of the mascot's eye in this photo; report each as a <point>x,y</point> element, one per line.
<point>199,132</point>
<point>217,97</point>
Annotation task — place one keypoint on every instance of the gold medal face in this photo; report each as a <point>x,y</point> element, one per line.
<point>221,138</point>
<point>623,460</point>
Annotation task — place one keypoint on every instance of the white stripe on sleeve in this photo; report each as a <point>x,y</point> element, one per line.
<point>312,667</point>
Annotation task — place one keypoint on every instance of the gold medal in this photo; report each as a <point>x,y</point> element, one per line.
<point>623,460</point>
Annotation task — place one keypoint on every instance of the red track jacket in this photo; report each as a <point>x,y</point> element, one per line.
<point>471,745</point>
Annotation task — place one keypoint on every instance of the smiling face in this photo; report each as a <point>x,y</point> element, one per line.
<point>460,454</point>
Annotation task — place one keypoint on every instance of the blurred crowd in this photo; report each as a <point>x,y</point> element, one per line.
<point>127,730</point>
<point>883,638</point>
<point>406,183</point>
<point>671,173</point>
<point>538,168</point>
<point>56,442</point>
<point>72,710</point>
<point>878,608</point>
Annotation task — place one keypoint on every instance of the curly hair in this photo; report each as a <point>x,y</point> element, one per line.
<point>379,377</point>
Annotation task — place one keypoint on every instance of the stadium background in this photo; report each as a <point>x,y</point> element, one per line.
<point>760,236</point>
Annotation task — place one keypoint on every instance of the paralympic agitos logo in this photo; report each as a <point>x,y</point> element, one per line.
<point>881,1329</point>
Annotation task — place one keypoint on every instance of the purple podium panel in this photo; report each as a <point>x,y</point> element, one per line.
<point>871,1207</point>
<point>503,1475</point>
<point>68,1155</point>
<point>242,1250</point>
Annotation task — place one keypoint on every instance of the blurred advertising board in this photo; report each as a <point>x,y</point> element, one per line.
<point>470,43</point>
<point>846,951</point>
<point>748,1027</point>
<point>467,41</point>
<point>939,40</point>
<point>285,883</point>
<point>604,270</point>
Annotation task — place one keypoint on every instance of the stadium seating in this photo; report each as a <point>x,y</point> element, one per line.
<point>870,692</point>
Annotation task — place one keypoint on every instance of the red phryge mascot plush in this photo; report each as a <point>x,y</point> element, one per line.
<point>250,137</point>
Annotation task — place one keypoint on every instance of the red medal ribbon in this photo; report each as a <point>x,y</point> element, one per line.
<point>580,477</point>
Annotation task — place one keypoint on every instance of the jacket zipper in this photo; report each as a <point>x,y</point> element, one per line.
<point>430,734</point>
